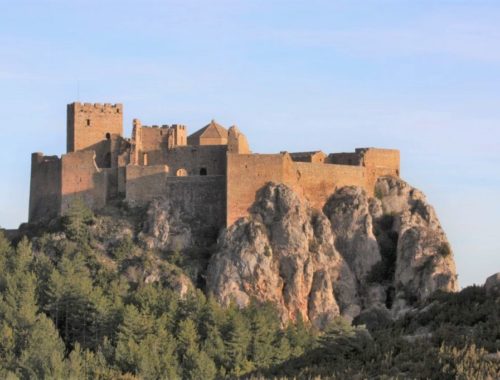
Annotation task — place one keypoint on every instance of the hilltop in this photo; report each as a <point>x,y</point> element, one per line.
<point>289,291</point>
<point>168,255</point>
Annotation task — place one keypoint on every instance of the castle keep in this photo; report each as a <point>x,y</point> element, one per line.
<point>211,174</point>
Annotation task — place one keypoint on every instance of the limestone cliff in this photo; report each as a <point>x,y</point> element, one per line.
<point>356,255</point>
<point>283,253</point>
<point>424,260</point>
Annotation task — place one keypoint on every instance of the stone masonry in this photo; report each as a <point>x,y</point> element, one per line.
<point>211,172</point>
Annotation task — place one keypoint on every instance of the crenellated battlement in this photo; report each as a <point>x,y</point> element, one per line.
<point>97,107</point>
<point>40,158</point>
<point>163,126</point>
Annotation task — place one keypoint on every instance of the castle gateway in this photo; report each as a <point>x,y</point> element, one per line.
<point>211,174</point>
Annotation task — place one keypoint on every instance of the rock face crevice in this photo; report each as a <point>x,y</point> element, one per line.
<point>357,255</point>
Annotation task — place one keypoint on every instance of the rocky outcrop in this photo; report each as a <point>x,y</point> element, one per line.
<point>375,255</point>
<point>424,260</point>
<point>492,284</point>
<point>350,215</point>
<point>164,228</point>
<point>284,253</point>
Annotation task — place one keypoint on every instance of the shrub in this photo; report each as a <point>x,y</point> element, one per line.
<point>444,249</point>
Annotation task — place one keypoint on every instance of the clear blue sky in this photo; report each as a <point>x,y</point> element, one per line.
<point>421,76</point>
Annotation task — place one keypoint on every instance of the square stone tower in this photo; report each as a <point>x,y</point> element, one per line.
<point>90,126</point>
<point>177,136</point>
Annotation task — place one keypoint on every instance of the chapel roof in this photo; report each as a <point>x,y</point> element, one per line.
<point>211,130</point>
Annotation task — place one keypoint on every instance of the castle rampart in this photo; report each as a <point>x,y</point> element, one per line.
<point>81,178</point>
<point>246,173</point>
<point>316,157</point>
<point>45,186</point>
<point>211,175</point>
<point>315,182</point>
<point>144,183</point>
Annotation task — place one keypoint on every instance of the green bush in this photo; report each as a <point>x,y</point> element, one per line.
<point>445,249</point>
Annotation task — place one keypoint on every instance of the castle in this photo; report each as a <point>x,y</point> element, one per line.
<point>211,174</point>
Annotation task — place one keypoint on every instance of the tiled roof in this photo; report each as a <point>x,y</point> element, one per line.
<point>211,130</point>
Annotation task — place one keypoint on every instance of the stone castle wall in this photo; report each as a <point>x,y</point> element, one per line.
<point>81,178</point>
<point>45,187</point>
<point>152,148</point>
<point>218,181</point>
<point>351,158</point>
<point>76,175</point>
<point>154,138</point>
<point>200,199</point>
<point>316,182</point>
<point>247,173</point>
<point>193,159</point>
<point>378,163</point>
<point>56,182</point>
<point>143,183</point>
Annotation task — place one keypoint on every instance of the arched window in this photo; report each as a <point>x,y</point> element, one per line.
<point>181,173</point>
<point>203,171</point>
<point>108,135</point>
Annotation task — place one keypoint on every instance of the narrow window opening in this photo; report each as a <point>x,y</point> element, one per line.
<point>88,122</point>
<point>108,136</point>
<point>107,160</point>
<point>203,171</point>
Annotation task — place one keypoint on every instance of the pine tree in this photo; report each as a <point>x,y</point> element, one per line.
<point>198,365</point>
<point>43,268</point>
<point>264,328</point>
<point>5,254</point>
<point>76,221</point>
<point>18,306</point>
<point>237,344</point>
<point>77,308</point>
<point>187,337</point>
<point>7,346</point>
<point>300,337</point>
<point>157,356</point>
<point>212,315</point>
<point>214,346</point>
<point>75,367</point>
<point>134,328</point>
<point>124,249</point>
<point>43,356</point>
